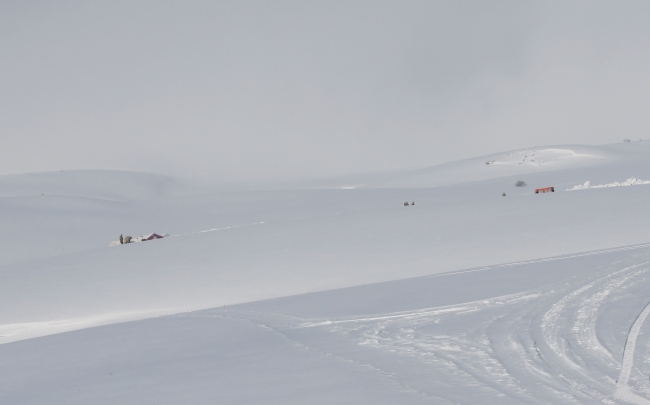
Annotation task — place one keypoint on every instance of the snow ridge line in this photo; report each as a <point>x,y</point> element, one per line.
<point>546,259</point>
<point>623,390</point>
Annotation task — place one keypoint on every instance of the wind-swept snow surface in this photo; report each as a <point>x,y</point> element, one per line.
<point>544,331</point>
<point>629,182</point>
<point>332,295</point>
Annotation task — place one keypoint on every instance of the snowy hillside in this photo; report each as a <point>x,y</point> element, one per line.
<point>528,162</point>
<point>96,184</point>
<point>333,295</point>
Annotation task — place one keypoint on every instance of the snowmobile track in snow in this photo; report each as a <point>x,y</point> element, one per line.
<point>623,390</point>
<point>551,344</point>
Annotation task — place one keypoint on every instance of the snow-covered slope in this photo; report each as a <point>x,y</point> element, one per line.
<point>549,331</point>
<point>461,338</point>
<point>527,162</point>
<point>96,184</point>
<point>264,245</point>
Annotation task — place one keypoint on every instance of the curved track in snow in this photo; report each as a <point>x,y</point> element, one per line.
<point>623,390</point>
<point>570,343</point>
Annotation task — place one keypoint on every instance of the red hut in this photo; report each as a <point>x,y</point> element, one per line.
<point>545,190</point>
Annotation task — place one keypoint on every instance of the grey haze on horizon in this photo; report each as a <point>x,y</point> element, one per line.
<point>285,90</point>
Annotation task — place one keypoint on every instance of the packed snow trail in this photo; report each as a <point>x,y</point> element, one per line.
<point>623,390</point>
<point>251,224</point>
<point>217,229</point>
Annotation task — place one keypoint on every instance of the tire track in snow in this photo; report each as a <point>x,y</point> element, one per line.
<point>538,346</point>
<point>217,229</point>
<point>251,224</point>
<point>623,390</point>
<point>572,350</point>
<point>390,378</point>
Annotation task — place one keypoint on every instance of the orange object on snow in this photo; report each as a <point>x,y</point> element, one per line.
<point>545,190</point>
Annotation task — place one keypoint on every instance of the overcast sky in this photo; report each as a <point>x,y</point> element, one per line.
<point>258,90</point>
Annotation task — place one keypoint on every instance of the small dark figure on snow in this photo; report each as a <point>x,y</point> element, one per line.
<point>503,195</point>
<point>413,203</point>
<point>121,239</point>
<point>406,204</point>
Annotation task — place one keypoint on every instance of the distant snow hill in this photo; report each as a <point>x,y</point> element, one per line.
<point>334,292</point>
<point>100,184</point>
<point>525,162</point>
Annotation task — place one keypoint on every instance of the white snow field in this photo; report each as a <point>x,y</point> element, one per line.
<point>332,295</point>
